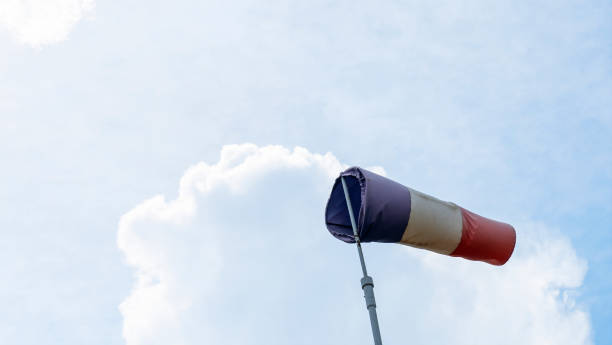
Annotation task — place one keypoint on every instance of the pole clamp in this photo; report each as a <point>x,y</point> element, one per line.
<point>367,280</point>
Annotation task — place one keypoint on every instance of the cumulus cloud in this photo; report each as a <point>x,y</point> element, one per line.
<point>42,22</point>
<point>241,256</point>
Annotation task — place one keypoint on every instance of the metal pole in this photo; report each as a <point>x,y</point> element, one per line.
<point>367,284</point>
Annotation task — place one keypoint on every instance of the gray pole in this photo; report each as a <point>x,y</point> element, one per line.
<point>367,284</point>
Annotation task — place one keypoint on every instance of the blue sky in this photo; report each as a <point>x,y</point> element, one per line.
<point>502,108</point>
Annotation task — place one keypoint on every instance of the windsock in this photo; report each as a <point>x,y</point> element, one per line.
<point>392,213</point>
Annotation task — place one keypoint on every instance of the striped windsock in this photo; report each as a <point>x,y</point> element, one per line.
<point>391,212</point>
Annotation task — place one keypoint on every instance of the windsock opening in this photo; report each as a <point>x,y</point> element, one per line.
<point>336,213</point>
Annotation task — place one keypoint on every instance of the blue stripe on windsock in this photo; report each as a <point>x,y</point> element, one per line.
<point>383,207</point>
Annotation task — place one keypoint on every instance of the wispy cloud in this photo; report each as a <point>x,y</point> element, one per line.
<point>41,22</point>
<point>241,256</point>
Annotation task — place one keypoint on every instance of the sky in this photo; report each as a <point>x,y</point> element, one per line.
<point>165,168</point>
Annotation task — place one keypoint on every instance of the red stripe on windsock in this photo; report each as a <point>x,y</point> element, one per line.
<point>485,239</point>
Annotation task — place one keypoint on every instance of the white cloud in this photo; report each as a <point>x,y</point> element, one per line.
<point>42,22</point>
<point>241,256</point>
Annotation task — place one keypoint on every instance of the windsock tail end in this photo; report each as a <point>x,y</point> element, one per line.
<point>484,239</point>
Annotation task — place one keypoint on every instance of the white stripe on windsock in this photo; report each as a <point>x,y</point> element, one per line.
<point>433,224</point>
